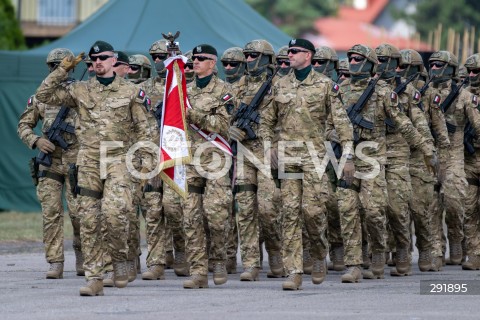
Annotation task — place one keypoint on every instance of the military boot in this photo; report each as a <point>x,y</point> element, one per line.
<point>391,259</point>
<point>219,273</point>
<point>307,262</point>
<point>378,265</point>
<point>437,264</point>
<point>196,281</point>
<point>132,270</point>
<point>250,274</point>
<point>394,272</point>
<point>338,262</point>
<point>424,260</point>
<point>120,274</point>
<point>232,265</point>
<point>366,257</point>
<point>180,265</point>
<point>352,275</point>
<point>319,271</point>
<point>154,272</point>
<point>293,282</point>
<point>108,279</point>
<point>332,258</point>
<point>55,271</point>
<point>79,262</point>
<point>94,287</point>
<point>169,260</point>
<point>210,265</point>
<point>276,265</point>
<point>456,253</point>
<point>471,263</point>
<point>402,260</point>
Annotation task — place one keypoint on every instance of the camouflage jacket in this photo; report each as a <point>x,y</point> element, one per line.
<point>476,140</point>
<point>36,111</point>
<point>106,113</point>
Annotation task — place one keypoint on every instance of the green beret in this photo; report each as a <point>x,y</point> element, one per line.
<point>205,48</point>
<point>302,43</point>
<point>100,46</point>
<point>121,57</point>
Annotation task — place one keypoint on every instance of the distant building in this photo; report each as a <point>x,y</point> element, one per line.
<point>42,20</point>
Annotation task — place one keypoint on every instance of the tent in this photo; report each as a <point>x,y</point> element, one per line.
<point>130,26</point>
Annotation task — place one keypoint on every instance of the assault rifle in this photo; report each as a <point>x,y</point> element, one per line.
<point>422,92</point>
<point>451,128</point>
<point>399,90</point>
<point>247,114</point>
<point>354,113</point>
<point>468,136</point>
<point>55,135</point>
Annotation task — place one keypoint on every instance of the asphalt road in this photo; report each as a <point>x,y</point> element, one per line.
<point>26,294</point>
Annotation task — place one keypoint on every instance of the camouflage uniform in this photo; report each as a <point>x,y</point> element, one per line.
<point>52,179</point>
<point>452,174</point>
<point>471,226</point>
<point>299,112</point>
<point>255,191</point>
<point>422,181</point>
<point>209,196</point>
<point>370,195</point>
<point>397,174</point>
<point>106,113</point>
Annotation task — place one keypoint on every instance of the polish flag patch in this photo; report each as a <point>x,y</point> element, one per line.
<point>336,87</point>
<point>437,99</point>
<point>141,94</point>
<point>417,96</point>
<point>227,97</point>
<point>393,96</point>
<point>30,101</point>
<point>475,100</point>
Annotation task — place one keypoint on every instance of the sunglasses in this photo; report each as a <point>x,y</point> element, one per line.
<point>89,65</point>
<point>295,51</point>
<point>474,71</point>
<point>134,67</point>
<point>160,56</point>
<point>102,57</point>
<point>356,58</point>
<point>253,55</point>
<point>285,62</point>
<point>232,64</point>
<point>403,66</point>
<point>201,58</point>
<point>345,74</point>
<point>437,64</point>
<point>188,65</point>
<point>321,61</point>
<point>382,59</point>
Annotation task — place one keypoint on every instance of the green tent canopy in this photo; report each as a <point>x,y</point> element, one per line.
<point>130,26</point>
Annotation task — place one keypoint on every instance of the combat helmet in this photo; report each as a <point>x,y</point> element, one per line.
<point>368,66</point>
<point>411,63</point>
<point>190,75</point>
<point>142,64</point>
<point>389,59</point>
<point>56,56</point>
<point>326,53</point>
<point>473,64</point>
<point>159,46</point>
<point>265,59</point>
<point>450,68</point>
<point>234,56</point>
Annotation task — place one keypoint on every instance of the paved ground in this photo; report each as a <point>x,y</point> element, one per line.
<point>25,294</point>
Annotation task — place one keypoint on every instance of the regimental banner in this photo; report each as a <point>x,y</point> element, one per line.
<point>174,144</point>
<point>216,139</point>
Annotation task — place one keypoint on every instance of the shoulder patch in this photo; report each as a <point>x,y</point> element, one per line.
<point>227,97</point>
<point>148,104</point>
<point>141,94</point>
<point>393,96</point>
<point>30,101</point>
<point>475,100</point>
<point>335,87</point>
<point>437,99</point>
<point>417,96</point>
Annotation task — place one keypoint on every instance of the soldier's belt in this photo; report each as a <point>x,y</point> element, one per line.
<point>89,193</point>
<point>245,187</point>
<point>473,182</point>
<point>195,189</point>
<point>150,188</point>
<point>51,175</point>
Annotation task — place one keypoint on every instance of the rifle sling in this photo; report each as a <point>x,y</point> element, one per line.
<point>51,175</point>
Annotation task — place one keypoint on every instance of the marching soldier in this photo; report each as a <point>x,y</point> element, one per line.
<point>325,61</point>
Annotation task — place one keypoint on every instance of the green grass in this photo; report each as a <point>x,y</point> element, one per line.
<point>19,226</point>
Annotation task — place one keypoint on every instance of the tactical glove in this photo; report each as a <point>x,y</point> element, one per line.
<point>69,62</point>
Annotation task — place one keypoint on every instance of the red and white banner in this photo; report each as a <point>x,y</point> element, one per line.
<point>216,139</point>
<point>174,145</point>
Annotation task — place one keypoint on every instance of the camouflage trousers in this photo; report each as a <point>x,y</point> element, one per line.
<point>49,193</point>
<point>211,198</point>
<point>471,225</point>
<point>114,209</point>
<point>232,237</point>
<point>172,206</point>
<point>334,230</point>
<point>399,190</point>
<point>350,225</point>
<point>134,232</point>
<point>255,193</point>
<point>155,223</point>
<point>421,200</point>
<point>451,199</point>
<point>303,203</point>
